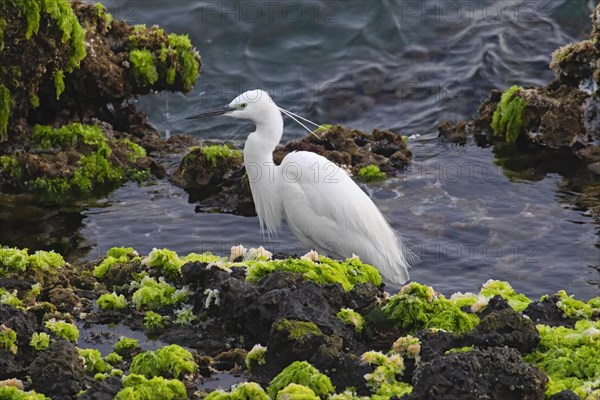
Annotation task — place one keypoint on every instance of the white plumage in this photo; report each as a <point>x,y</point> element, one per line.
<point>324,208</point>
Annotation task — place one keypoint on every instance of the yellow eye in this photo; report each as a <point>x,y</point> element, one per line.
<point>243,105</point>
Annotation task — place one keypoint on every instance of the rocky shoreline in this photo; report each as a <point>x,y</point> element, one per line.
<point>294,327</point>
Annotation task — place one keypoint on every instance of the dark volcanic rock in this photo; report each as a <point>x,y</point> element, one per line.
<point>103,390</point>
<point>292,340</point>
<point>494,373</point>
<point>505,328</point>
<point>565,395</point>
<point>58,371</point>
<point>547,312</point>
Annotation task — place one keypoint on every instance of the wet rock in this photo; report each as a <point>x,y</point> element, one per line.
<point>199,171</point>
<point>454,132</point>
<point>24,323</point>
<point>435,343</point>
<point>103,390</point>
<point>287,295</point>
<point>364,297</point>
<point>547,312</point>
<point>494,373</point>
<point>121,274</point>
<point>58,371</point>
<point>292,340</point>
<point>228,360</point>
<point>64,299</point>
<point>565,395</point>
<point>505,328</point>
<point>10,367</point>
<point>354,149</point>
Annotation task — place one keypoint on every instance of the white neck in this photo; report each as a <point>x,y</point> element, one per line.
<point>261,170</point>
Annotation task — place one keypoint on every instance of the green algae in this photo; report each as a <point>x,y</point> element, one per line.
<point>5,107</point>
<point>155,294</point>
<point>2,26</point>
<point>13,260</point>
<point>570,358</point>
<point>297,329</point>
<point>47,137</point>
<point>256,356</point>
<point>165,260</point>
<point>8,339</point>
<point>59,82</point>
<point>144,67</point>
<point>574,308</point>
<point>63,329</point>
<point>115,255</point>
<point>171,361</point>
<point>418,307</point>
<point>242,391</point>
<point>327,271</point>
<point>154,321</point>
<point>408,346</point>
<point>10,298</point>
<point>113,358</point>
<point>138,387</point>
<point>35,101</point>
<point>126,346</point>
<point>301,373</point>
<point>464,349</point>
<point>137,151</point>
<point>112,301</point>
<point>508,117</point>
<point>351,317</point>
<point>11,166</point>
<point>106,17</point>
<point>95,170</point>
<point>93,362</point>
<point>185,315</point>
<point>40,341</point>
<point>517,301</point>
<point>383,378</point>
<point>293,391</point>
<point>214,153</point>
<point>371,173</point>
<point>187,59</point>
<point>65,19</point>
<point>13,393</point>
<point>392,390</point>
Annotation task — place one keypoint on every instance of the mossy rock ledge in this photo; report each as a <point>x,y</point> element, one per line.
<point>67,71</point>
<point>286,325</point>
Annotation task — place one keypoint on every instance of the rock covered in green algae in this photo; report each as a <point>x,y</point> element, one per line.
<point>561,115</point>
<point>297,321</point>
<point>65,62</point>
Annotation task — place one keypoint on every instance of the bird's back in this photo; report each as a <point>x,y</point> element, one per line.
<point>326,209</point>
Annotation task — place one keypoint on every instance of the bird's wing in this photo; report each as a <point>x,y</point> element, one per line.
<point>324,206</point>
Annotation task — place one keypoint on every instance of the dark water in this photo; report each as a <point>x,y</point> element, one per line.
<point>399,65</point>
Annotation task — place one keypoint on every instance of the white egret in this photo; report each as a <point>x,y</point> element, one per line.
<point>323,206</point>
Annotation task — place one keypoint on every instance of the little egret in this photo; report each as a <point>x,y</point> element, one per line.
<point>323,206</point>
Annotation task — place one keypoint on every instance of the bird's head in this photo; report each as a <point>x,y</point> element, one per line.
<point>253,105</point>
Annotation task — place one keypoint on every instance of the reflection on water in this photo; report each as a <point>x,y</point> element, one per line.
<point>404,66</point>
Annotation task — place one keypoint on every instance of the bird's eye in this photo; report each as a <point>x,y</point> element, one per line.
<point>243,105</point>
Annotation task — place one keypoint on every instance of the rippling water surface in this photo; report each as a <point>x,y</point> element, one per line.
<point>399,65</point>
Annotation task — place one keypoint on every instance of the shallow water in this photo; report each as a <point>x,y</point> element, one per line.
<point>399,65</point>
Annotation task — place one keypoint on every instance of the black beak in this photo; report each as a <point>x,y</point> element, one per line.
<point>218,111</point>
